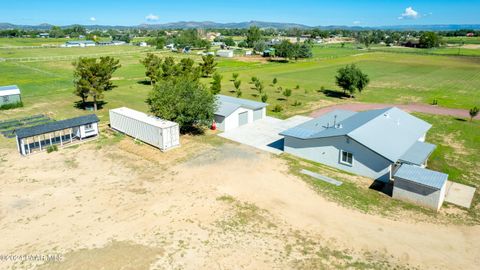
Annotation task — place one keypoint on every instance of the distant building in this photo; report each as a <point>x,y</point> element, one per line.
<point>225,53</point>
<point>44,35</point>
<point>143,44</point>
<point>80,43</point>
<point>9,95</point>
<point>470,34</point>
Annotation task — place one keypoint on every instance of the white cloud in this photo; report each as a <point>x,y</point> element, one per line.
<point>152,17</point>
<point>409,13</point>
<point>93,19</point>
<point>357,22</point>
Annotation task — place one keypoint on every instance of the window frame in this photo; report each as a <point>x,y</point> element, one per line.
<point>346,161</point>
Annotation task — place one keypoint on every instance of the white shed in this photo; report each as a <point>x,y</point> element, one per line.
<point>225,53</point>
<point>234,112</point>
<point>420,186</point>
<point>160,133</point>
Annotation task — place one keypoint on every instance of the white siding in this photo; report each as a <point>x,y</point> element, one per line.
<point>84,133</point>
<point>418,194</point>
<point>162,137</point>
<point>231,121</point>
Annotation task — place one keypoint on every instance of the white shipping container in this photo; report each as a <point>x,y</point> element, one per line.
<point>149,129</point>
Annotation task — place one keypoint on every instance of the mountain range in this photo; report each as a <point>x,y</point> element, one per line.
<point>240,25</point>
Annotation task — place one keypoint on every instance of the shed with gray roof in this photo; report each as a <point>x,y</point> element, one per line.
<point>420,186</point>
<point>64,132</point>
<point>234,112</point>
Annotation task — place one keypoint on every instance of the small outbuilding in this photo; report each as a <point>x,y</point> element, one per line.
<point>10,95</point>
<point>62,133</point>
<point>234,112</point>
<point>225,53</point>
<point>420,186</point>
<point>157,132</point>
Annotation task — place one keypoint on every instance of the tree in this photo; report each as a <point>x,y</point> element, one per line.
<point>243,44</point>
<point>216,83</point>
<point>473,112</point>
<point>237,84</point>
<point>264,98</point>
<point>259,87</point>
<point>350,78</point>
<point>275,81</point>
<point>285,49</point>
<point>229,41</point>
<point>208,65</point>
<point>93,76</point>
<point>152,65</point>
<point>235,76</point>
<point>429,40</point>
<point>287,93</point>
<point>239,93</point>
<point>259,46</point>
<point>188,103</point>
<point>254,34</point>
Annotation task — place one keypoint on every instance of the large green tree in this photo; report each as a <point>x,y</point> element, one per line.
<point>92,77</point>
<point>216,84</point>
<point>254,34</point>
<point>350,78</point>
<point>186,102</point>
<point>429,40</point>
<point>152,65</point>
<point>208,65</point>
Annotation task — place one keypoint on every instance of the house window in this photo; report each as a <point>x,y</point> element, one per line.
<point>346,158</point>
<point>89,127</point>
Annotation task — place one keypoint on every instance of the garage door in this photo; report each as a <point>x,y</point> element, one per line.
<point>242,118</point>
<point>257,114</point>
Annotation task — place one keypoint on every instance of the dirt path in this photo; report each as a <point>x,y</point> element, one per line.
<point>76,201</point>
<point>421,108</point>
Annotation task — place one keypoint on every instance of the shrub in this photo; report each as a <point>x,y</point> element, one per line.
<point>297,103</point>
<point>52,148</point>
<point>264,98</point>
<point>277,108</point>
<point>11,106</point>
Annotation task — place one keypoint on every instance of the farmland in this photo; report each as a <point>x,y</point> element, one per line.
<point>243,206</point>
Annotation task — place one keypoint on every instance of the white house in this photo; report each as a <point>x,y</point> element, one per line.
<point>225,53</point>
<point>143,44</point>
<point>234,112</point>
<point>160,133</point>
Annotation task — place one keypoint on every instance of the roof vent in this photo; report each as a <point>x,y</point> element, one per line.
<point>386,115</point>
<point>339,126</point>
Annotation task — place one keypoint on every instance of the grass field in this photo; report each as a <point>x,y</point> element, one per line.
<point>462,40</point>
<point>446,51</point>
<point>395,78</point>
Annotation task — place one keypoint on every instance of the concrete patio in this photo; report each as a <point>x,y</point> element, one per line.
<point>459,194</point>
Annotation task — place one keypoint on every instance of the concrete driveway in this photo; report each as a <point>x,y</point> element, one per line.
<point>459,194</point>
<point>263,134</point>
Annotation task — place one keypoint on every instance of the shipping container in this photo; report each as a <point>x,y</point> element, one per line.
<point>157,132</point>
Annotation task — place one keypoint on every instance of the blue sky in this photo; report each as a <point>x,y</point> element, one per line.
<point>310,12</point>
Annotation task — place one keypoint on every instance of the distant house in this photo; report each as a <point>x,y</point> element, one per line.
<point>268,52</point>
<point>10,95</point>
<point>61,133</point>
<point>371,143</point>
<point>118,42</point>
<point>143,44</point>
<point>234,112</point>
<point>225,53</point>
<point>80,43</point>
<point>44,35</point>
<point>470,34</point>
<point>411,43</point>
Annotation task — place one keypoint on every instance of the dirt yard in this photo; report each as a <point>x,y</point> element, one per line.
<point>202,206</point>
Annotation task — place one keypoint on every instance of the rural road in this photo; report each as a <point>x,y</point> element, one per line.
<point>415,107</point>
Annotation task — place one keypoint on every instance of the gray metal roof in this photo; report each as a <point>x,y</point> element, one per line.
<point>418,153</point>
<point>226,108</point>
<point>227,105</point>
<point>56,126</point>
<point>389,132</point>
<point>421,176</point>
<point>8,87</point>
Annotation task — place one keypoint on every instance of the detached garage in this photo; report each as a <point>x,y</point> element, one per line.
<point>420,186</point>
<point>160,133</point>
<point>234,112</point>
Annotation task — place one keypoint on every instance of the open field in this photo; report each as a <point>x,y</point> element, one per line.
<point>207,204</point>
<point>447,51</point>
<point>462,40</point>
<point>120,199</point>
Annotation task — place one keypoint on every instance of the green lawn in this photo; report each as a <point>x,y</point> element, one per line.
<point>448,51</point>
<point>460,40</point>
